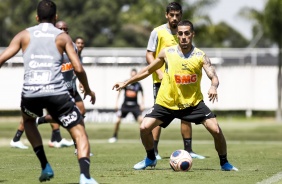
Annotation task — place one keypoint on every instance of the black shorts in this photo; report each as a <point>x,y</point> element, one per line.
<point>135,110</point>
<point>196,114</point>
<point>156,87</point>
<point>75,95</point>
<point>61,107</point>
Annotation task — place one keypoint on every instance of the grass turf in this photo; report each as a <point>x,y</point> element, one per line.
<point>254,148</point>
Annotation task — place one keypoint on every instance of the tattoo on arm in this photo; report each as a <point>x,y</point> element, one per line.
<point>210,71</point>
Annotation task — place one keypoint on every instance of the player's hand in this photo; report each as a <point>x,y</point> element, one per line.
<point>81,88</point>
<point>92,95</point>
<point>118,86</point>
<point>213,94</point>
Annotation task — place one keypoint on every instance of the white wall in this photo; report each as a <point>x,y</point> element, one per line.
<point>241,88</point>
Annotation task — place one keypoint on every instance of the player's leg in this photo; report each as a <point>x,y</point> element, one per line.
<point>34,137</point>
<point>121,113</point>
<point>56,139</point>
<point>68,115</point>
<point>137,113</point>
<point>83,151</point>
<point>146,127</point>
<point>186,132</point>
<point>220,143</point>
<point>79,103</point>
<point>16,142</point>
<point>156,135</point>
<point>114,138</point>
<point>56,134</point>
<point>44,119</point>
<point>157,130</point>
<point>150,121</point>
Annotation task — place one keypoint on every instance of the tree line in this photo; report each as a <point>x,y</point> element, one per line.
<point>122,23</point>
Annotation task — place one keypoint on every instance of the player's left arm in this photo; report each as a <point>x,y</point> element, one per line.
<point>210,71</point>
<point>12,49</point>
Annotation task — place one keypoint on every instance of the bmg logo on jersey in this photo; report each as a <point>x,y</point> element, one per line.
<point>69,118</point>
<point>185,79</point>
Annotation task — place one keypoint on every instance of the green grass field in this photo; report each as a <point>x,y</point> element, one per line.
<point>254,147</point>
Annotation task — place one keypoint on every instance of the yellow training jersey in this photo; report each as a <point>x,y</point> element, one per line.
<point>165,39</point>
<point>181,83</point>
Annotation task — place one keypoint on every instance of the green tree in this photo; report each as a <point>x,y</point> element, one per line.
<point>15,16</point>
<point>220,35</point>
<point>268,25</point>
<point>273,29</point>
<point>122,23</point>
<point>257,18</point>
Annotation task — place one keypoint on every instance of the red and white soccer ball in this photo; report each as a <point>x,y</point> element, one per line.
<point>180,160</point>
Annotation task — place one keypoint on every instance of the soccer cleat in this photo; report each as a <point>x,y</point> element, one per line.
<point>145,163</point>
<point>158,157</point>
<point>46,174</point>
<point>75,152</point>
<point>194,155</point>
<point>62,143</point>
<point>18,144</point>
<point>228,167</point>
<point>112,140</point>
<point>84,180</point>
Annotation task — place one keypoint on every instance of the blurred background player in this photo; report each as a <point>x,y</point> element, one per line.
<point>56,139</point>
<point>129,105</point>
<point>16,141</point>
<point>164,36</point>
<point>79,42</point>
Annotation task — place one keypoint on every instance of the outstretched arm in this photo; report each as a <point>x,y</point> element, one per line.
<point>210,71</point>
<point>150,58</point>
<point>145,72</point>
<point>12,49</point>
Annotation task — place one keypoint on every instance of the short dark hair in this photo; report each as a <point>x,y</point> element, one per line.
<point>173,6</point>
<point>46,10</point>
<point>186,23</point>
<point>133,70</point>
<point>78,37</point>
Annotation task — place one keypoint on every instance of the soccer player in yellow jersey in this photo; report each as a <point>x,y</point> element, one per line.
<point>180,94</point>
<point>164,36</point>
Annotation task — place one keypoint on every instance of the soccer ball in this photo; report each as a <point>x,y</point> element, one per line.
<point>180,160</point>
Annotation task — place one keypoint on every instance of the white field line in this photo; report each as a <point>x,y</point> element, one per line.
<point>6,142</point>
<point>273,179</point>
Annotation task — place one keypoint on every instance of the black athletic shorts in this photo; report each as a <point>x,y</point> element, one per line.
<point>61,107</point>
<point>75,95</point>
<point>135,110</point>
<point>196,114</point>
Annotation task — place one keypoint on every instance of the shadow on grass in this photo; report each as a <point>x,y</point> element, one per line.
<point>2,181</point>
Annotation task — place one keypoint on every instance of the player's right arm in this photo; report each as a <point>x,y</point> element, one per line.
<point>145,72</point>
<point>12,49</point>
